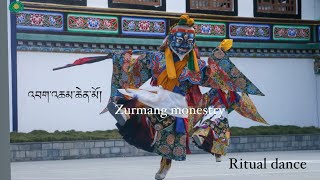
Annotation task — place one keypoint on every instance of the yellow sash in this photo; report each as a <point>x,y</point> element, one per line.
<point>168,83</point>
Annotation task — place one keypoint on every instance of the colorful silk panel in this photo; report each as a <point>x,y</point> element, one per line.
<point>216,137</point>
<point>128,72</point>
<point>217,78</point>
<point>169,143</point>
<point>158,64</point>
<point>193,76</point>
<point>238,79</point>
<point>247,109</point>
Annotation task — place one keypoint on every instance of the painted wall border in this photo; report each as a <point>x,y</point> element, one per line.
<point>213,29</point>
<point>92,23</point>
<point>38,18</point>
<point>250,33</point>
<point>144,32</point>
<point>287,29</point>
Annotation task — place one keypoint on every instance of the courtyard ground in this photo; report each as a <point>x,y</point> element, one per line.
<point>197,167</point>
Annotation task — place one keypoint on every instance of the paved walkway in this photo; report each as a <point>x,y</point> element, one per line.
<point>197,167</point>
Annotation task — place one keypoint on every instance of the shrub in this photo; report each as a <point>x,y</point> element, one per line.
<point>72,135</point>
<point>274,130</point>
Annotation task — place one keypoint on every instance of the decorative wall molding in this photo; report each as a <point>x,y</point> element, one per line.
<point>143,26</point>
<point>92,24</point>
<point>210,29</point>
<point>160,14</point>
<point>118,25</point>
<point>291,33</point>
<point>102,48</point>
<point>250,31</point>
<point>102,27</point>
<point>39,21</point>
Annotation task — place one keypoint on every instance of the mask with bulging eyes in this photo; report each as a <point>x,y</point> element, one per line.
<point>181,43</point>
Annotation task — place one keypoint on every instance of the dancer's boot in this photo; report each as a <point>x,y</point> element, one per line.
<point>165,166</point>
<point>198,140</point>
<point>118,114</point>
<point>218,157</point>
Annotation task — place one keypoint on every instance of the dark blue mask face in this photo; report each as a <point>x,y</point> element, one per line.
<point>181,43</point>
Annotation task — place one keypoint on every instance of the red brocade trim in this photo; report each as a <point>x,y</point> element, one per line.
<point>186,126</point>
<point>193,95</point>
<point>215,100</point>
<point>232,96</point>
<point>153,82</point>
<point>197,51</point>
<point>223,97</point>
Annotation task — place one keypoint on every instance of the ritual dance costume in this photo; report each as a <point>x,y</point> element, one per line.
<point>177,72</point>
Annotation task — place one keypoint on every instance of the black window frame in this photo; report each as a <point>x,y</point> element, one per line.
<point>275,15</point>
<point>214,12</point>
<point>163,7</point>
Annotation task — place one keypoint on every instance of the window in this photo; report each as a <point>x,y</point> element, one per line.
<point>278,8</point>
<point>139,4</point>
<point>65,2</point>
<point>221,7</point>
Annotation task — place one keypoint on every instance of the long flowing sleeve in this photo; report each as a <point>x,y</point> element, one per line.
<point>221,73</point>
<point>130,70</point>
<point>226,81</point>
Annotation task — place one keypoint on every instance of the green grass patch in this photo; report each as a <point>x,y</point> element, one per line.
<point>44,136</point>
